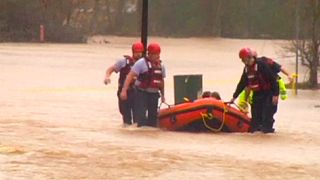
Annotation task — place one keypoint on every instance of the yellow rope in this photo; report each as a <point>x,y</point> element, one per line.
<point>209,116</point>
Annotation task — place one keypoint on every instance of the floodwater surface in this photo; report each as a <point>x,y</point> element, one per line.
<point>59,121</point>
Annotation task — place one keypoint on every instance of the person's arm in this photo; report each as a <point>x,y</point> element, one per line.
<point>284,71</point>
<point>163,99</point>
<point>109,71</point>
<point>114,68</point>
<point>241,85</point>
<point>279,68</point>
<point>130,77</point>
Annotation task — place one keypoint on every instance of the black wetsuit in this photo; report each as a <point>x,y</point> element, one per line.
<point>262,109</point>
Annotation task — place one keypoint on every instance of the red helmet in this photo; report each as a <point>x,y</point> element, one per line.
<point>154,48</point>
<point>246,53</point>
<point>137,47</point>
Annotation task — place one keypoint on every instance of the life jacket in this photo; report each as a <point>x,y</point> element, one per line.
<point>153,77</point>
<point>256,81</point>
<point>125,70</point>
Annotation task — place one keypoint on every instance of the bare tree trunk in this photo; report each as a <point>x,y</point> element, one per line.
<point>208,6</point>
<point>44,4</point>
<point>315,45</point>
<point>109,16</point>
<point>69,12</point>
<point>217,20</point>
<point>119,17</point>
<point>308,47</point>
<point>248,27</point>
<point>93,24</point>
<point>139,13</point>
<point>115,19</point>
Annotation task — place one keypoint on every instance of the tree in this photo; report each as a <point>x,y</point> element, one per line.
<point>57,18</point>
<point>307,47</point>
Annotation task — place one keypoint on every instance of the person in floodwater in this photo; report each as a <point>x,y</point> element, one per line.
<point>245,97</point>
<point>215,95</point>
<point>126,107</point>
<point>149,86</point>
<point>259,78</point>
<point>207,94</point>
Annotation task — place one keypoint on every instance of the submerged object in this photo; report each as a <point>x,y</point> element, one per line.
<point>206,114</point>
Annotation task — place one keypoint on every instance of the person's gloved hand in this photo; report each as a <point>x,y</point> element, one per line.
<point>232,100</point>
<point>123,95</point>
<point>163,99</point>
<point>107,81</point>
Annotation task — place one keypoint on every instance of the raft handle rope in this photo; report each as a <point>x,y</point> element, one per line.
<point>169,106</point>
<point>210,116</point>
<point>240,108</point>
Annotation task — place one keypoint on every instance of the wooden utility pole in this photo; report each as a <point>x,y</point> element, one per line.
<point>144,25</point>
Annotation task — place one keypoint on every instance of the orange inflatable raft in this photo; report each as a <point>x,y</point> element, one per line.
<point>207,114</point>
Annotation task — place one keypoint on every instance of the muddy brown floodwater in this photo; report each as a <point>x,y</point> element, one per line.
<point>59,121</point>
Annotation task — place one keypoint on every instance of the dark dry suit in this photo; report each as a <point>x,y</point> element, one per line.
<point>245,97</point>
<point>126,107</point>
<point>147,95</point>
<point>276,68</point>
<point>260,78</point>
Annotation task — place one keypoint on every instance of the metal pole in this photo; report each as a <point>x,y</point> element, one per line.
<point>297,44</point>
<point>144,24</point>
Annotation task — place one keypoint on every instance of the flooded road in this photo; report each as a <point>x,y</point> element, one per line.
<point>59,121</point>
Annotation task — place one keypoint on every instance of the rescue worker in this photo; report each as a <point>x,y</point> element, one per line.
<point>245,97</point>
<point>259,78</point>
<point>126,107</point>
<point>149,86</point>
<point>208,94</point>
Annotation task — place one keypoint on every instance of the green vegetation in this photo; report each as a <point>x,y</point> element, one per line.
<point>73,20</point>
